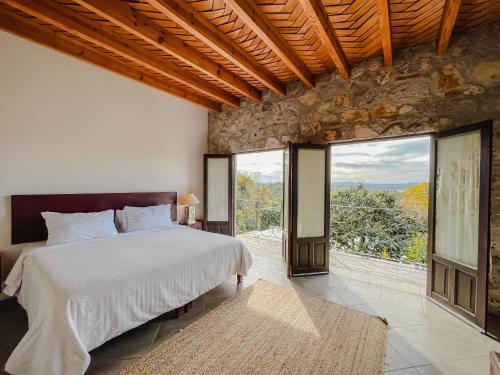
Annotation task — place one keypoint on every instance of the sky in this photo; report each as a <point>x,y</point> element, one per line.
<point>393,161</point>
<point>268,163</point>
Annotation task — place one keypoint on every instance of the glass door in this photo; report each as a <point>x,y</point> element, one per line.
<point>310,210</point>
<point>286,210</point>
<point>218,194</point>
<point>459,220</point>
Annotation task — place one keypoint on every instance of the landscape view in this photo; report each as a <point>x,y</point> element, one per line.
<point>379,197</point>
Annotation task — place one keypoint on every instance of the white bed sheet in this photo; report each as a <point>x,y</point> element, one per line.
<point>80,295</point>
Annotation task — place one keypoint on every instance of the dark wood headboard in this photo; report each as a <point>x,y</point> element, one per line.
<point>29,226</point>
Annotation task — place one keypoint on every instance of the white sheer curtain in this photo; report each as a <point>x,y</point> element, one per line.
<point>457,198</point>
<point>311,193</point>
<point>217,189</point>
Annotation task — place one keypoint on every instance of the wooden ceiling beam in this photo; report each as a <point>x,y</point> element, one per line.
<point>448,19</point>
<point>189,19</point>
<point>316,13</point>
<point>385,30</point>
<point>23,27</point>
<point>70,21</point>
<point>249,12</point>
<point>122,15</point>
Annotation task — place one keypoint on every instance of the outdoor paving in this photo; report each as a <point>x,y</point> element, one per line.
<point>423,338</point>
<point>405,277</point>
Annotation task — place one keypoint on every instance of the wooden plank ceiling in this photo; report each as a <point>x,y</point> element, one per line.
<point>214,52</point>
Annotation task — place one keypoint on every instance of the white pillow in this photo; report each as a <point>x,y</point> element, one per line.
<point>143,218</point>
<point>65,228</point>
<point>121,225</point>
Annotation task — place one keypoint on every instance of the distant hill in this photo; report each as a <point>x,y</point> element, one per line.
<point>374,185</point>
<point>336,185</point>
<point>268,179</point>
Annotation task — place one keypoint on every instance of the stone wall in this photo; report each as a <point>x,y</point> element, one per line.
<point>421,93</point>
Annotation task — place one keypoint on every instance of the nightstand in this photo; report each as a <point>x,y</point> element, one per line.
<point>198,225</point>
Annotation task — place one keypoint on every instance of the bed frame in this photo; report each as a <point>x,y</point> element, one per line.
<point>29,226</point>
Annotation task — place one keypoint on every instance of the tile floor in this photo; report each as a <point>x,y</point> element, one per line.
<point>406,277</point>
<point>423,338</point>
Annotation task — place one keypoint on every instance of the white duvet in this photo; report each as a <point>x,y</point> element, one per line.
<point>80,295</point>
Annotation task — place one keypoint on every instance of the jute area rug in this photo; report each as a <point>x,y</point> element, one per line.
<point>268,329</point>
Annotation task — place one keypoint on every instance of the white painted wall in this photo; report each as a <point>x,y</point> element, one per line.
<point>70,127</point>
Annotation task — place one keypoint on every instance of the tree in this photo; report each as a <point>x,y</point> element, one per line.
<point>258,205</point>
<point>245,191</point>
<point>416,198</point>
<point>417,249</point>
<point>371,222</point>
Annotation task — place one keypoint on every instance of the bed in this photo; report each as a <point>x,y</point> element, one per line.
<point>82,294</point>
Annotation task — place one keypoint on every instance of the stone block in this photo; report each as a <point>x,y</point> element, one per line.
<point>364,131</point>
<point>353,115</point>
<point>308,99</point>
<point>383,110</point>
<point>487,73</point>
<point>449,78</point>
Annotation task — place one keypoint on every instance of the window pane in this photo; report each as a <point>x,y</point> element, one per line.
<point>457,198</point>
<point>217,189</point>
<point>311,193</point>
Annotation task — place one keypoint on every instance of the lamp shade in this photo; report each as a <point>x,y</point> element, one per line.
<point>189,200</point>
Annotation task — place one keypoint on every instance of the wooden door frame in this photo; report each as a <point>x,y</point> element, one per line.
<point>293,240</point>
<point>287,172</point>
<point>480,316</point>
<point>231,190</point>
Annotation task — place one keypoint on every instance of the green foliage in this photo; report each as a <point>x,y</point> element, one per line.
<point>271,217</point>
<point>258,205</point>
<point>384,254</point>
<point>416,198</point>
<point>417,249</point>
<point>371,222</point>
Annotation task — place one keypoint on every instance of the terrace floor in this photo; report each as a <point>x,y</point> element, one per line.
<point>423,338</point>
<point>395,275</point>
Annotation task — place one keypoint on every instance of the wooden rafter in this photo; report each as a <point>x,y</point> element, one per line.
<point>448,19</point>
<point>252,16</point>
<point>316,13</point>
<point>385,30</point>
<point>72,22</point>
<point>120,14</point>
<point>216,51</point>
<point>21,26</point>
<point>189,19</point>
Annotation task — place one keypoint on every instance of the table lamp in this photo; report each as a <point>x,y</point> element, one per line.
<point>189,200</point>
